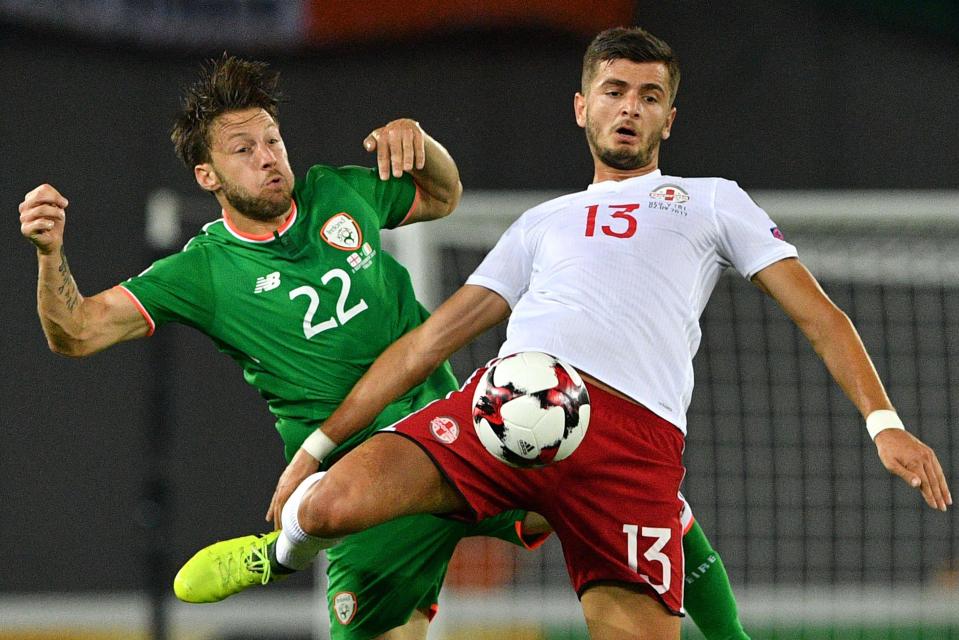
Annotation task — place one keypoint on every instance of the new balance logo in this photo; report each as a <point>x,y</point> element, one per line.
<point>267,283</point>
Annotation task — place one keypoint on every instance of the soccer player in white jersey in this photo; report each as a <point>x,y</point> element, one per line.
<point>612,280</point>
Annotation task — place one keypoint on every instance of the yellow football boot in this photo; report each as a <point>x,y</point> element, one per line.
<point>224,568</point>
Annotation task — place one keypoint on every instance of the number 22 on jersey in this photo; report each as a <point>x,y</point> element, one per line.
<point>619,212</point>
<point>343,315</point>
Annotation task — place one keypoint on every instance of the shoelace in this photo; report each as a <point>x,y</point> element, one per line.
<point>258,561</point>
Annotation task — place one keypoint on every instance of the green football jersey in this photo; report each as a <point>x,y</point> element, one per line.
<point>304,311</point>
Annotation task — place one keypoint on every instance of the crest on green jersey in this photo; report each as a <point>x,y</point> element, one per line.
<point>342,232</point>
<point>344,606</point>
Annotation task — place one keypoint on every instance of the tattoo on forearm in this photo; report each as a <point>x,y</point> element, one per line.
<point>68,286</point>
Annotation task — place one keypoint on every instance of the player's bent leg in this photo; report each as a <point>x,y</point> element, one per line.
<point>386,477</point>
<point>382,479</point>
<point>708,597</point>
<point>624,612</point>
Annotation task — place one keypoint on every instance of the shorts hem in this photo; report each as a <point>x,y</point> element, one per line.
<point>640,586</point>
<point>530,542</point>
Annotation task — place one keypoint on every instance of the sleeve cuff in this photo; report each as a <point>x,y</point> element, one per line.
<point>413,206</point>
<point>143,312</point>
<point>765,261</point>
<point>496,287</point>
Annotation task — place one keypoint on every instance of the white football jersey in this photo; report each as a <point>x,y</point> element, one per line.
<point>613,279</point>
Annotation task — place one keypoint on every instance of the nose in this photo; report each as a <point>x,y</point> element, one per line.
<point>631,105</point>
<point>267,156</point>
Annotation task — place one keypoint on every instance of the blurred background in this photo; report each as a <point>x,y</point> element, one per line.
<point>838,117</point>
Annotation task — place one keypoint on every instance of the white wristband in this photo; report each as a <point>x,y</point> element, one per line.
<point>881,420</point>
<point>318,444</point>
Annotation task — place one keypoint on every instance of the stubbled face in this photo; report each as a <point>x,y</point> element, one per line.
<point>249,166</point>
<point>626,113</point>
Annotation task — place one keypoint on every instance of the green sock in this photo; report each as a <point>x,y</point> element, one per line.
<point>708,597</point>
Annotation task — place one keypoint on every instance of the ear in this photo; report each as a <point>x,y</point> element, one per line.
<point>668,127</point>
<point>206,177</point>
<point>579,108</point>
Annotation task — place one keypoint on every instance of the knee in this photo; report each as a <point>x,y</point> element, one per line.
<point>324,513</point>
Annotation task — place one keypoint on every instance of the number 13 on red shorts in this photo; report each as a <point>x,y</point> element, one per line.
<point>654,552</point>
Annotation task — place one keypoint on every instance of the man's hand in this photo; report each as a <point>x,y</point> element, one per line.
<point>400,146</point>
<point>301,466</point>
<point>907,457</point>
<point>42,218</point>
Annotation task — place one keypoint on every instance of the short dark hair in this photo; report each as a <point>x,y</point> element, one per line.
<point>225,84</point>
<point>634,44</point>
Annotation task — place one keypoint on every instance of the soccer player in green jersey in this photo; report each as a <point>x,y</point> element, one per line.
<point>293,284</point>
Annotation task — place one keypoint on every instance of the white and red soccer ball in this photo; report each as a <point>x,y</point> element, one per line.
<point>530,409</point>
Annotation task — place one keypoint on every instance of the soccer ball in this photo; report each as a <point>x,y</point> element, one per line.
<point>530,409</point>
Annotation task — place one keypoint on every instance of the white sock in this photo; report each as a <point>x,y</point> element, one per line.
<point>295,548</point>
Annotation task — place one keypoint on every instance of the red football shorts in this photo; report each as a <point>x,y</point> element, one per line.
<point>614,503</point>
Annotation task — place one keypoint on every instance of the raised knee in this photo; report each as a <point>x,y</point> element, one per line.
<point>324,513</point>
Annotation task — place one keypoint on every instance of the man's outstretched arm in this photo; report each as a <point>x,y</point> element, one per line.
<point>837,342</point>
<point>74,325</point>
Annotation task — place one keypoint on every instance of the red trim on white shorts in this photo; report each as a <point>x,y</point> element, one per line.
<point>143,311</point>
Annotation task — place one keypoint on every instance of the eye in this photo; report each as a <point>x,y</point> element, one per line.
<point>613,93</point>
<point>651,99</point>
<point>241,150</point>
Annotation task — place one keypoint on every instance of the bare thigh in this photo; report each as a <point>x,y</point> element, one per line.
<point>415,629</point>
<point>616,612</point>
<point>386,477</point>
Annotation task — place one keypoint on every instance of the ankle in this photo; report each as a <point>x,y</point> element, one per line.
<point>275,565</point>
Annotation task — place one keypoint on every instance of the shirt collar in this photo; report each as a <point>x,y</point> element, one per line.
<point>615,185</point>
<point>260,238</point>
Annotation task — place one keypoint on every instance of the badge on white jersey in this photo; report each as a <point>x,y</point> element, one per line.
<point>342,232</point>
<point>344,606</point>
<point>669,193</point>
